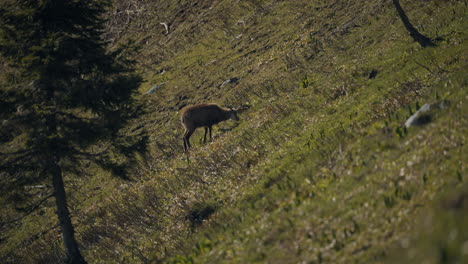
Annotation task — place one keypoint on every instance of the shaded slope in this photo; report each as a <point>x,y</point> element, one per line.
<point>319,169</point>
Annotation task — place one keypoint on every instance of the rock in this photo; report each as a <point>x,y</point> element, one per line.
<point>416,119</point>
<point>166,27</point>
<point>231,80</point>
<point>154,88</point>
<point>425,114</point>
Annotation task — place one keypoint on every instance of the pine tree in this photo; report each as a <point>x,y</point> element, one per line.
<point>62,93</point>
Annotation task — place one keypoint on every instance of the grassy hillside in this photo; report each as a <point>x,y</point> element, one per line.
<point>320,169</point>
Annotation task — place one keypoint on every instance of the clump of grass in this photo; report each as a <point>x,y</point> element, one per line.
<point>389,201</point>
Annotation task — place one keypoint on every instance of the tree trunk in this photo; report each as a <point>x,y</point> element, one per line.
<point>414,33</point>
<point>71,246</point>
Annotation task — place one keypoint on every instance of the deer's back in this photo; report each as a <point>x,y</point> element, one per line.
<point>202,115</point>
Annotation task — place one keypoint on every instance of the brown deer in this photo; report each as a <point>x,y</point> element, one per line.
<point>203,115</point>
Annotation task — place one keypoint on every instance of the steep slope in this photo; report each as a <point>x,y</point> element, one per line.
<point>320,168</point>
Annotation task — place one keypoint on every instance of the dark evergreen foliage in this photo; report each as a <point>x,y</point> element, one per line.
<point>64,93</point>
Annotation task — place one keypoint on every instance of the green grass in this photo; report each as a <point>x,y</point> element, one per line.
<point>319,169</point>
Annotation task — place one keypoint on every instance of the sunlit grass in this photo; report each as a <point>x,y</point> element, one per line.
<point>318,169</point>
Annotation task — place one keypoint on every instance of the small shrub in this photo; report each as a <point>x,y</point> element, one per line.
<point>389,201</point>
<point>200,212</point>
<point>305,83</point>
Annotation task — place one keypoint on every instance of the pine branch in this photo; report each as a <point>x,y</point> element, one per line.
<point>6,164</point>
<point>29,211</point>
<point>15,152</point>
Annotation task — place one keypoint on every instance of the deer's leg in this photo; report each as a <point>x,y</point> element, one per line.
<point>185,142</point>
<point>187,135</point>
<point>209,128</point>
<point>204,136</point>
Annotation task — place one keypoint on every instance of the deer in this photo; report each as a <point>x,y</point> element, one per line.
<point>204,115</point>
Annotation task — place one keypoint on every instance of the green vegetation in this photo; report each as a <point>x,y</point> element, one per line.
<point>320,169</point>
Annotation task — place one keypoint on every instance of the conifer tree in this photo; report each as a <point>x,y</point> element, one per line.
<point>62,93</point>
